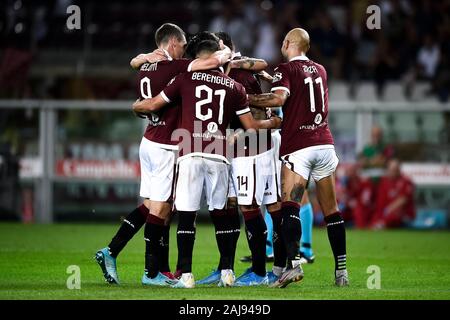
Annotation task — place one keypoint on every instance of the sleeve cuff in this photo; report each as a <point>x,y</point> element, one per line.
<point>189,68</point>
<point>281,88</point>
<point>241,112</point>
<point>163,95</point>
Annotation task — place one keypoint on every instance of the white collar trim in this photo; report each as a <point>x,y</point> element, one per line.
<point>302,57</point>
<point>167,55</point>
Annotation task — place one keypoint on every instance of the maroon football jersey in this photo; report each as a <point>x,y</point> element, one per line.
<point>209,100</point>
<point>305,113</point>
<point>263,141</point>
<point>153,78</point>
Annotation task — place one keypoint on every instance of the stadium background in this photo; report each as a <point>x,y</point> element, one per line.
<point>69,142</point>
<point>374,78</point>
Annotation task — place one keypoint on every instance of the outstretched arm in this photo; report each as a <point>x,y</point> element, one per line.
<point>149,105</point>
<point>217,59</point>
<point>252,64</point>
<point>272,99</point>
<point>265,76</point>
<point>248,122</point>
<point>152,57</point>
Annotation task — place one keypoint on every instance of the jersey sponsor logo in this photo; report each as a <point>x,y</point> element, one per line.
<point>208,135</point>
<point>277,77</point>
<point>312,126</point>
<point>155,120</point>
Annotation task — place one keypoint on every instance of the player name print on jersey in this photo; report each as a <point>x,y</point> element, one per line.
<point>203,76</point>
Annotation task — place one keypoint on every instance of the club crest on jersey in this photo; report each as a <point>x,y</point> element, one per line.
<point>277,77</point>
<point>318,119</point>
<point>154,118</point>
<point>212,127</point>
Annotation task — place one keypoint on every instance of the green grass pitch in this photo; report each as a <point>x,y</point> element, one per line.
<point>34,260</point>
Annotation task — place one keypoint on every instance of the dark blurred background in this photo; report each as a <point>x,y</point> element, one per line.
<point>43,59</point>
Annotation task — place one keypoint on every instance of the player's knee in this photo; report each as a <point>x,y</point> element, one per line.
<point>161,210</point>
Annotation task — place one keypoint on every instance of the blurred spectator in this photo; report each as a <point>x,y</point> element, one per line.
<point>428,58</point>
<point>395,199</point>
<point>385,64</point>
<point>375,154</point>
<point>356,197</point>
<point>425,66</point>
<point>267,46</point>
<point>412,43</point>
<point>441,80</point>
<point>231,21</point>
<point>327,45</point>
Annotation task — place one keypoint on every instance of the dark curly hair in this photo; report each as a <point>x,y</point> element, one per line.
<point>201,41</point>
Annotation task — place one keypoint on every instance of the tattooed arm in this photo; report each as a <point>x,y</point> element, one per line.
<point>252,64</point>
<point>272,99</point>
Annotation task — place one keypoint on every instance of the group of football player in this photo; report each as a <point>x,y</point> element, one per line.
<point>215,139</point>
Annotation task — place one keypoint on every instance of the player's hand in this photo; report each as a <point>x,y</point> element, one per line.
<point>265,76</point>
<point>136,113</point>
<point>276,121</point>
<point>156,56</point>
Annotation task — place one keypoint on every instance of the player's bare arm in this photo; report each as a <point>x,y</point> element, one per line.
<point>272,99</point>
<point>217,59</point>
<point>152,57</point>
<point>264,75</point>
<point>248,122</point>
<point>252,64</point>
<point>149,105</point>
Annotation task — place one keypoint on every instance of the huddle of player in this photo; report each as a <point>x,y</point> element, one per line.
<point>203,143</point>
